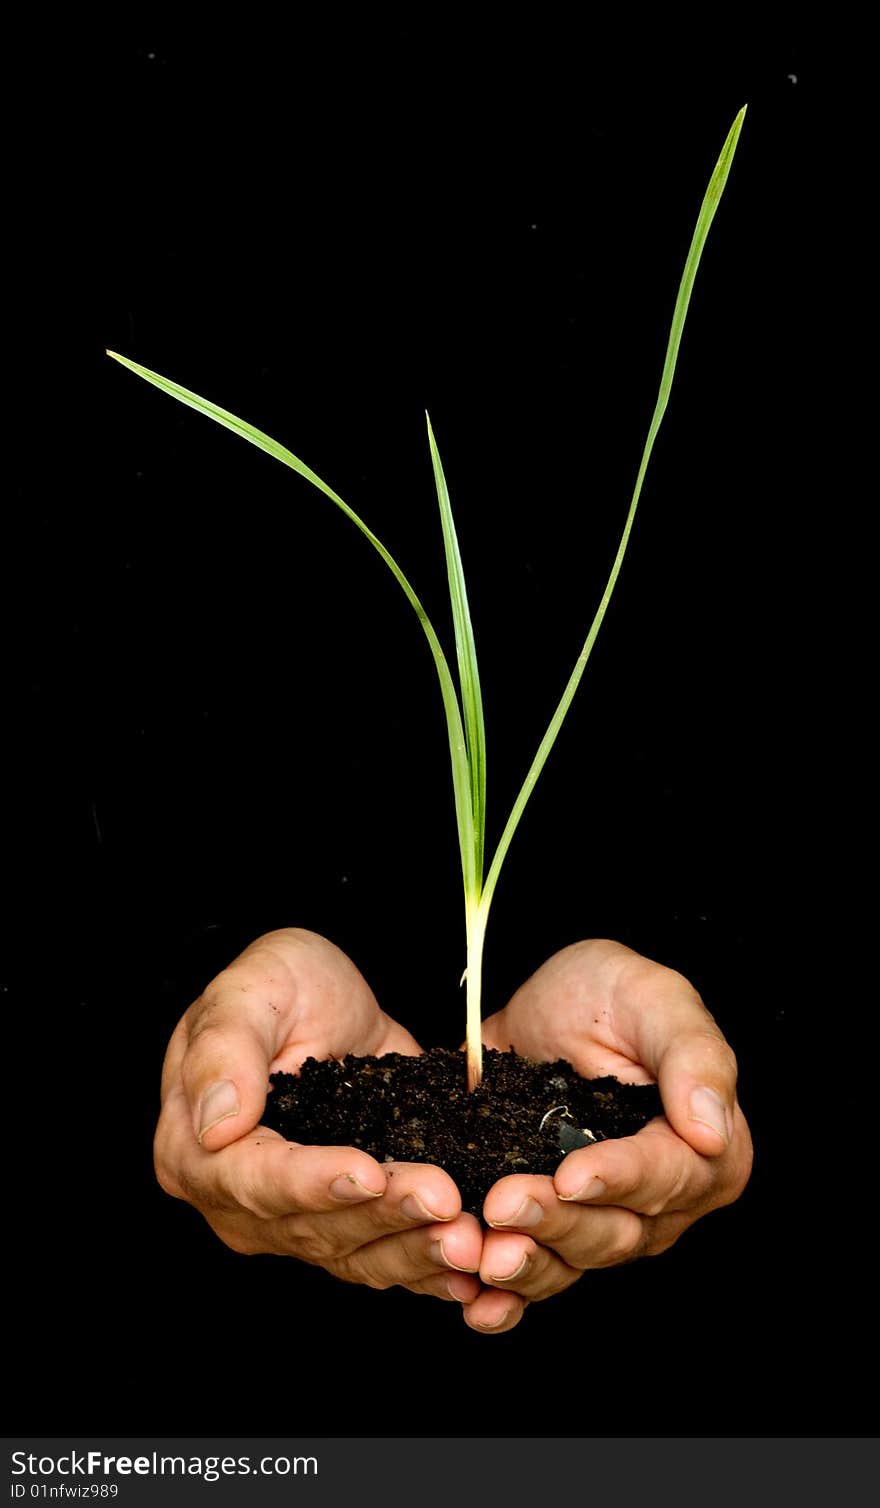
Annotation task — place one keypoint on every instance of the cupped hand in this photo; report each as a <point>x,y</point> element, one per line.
<point>608,1010</point>
<point>289,996</point>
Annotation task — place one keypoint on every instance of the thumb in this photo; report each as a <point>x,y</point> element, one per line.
<point>697,1081</point>
<point>679,1041</point>
<point>225,1068</point>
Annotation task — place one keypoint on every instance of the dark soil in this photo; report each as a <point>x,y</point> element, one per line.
<point>404,1109</point>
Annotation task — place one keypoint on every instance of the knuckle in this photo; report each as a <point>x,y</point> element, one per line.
<point>727,1190</point>
<point>206,1036</point>
<point>379,1281</point>
<point>655,1205</point>
<point>247,1195</point>
<point>168,1180</point>
<point>627,1241</point>
<point>199,1013</point>
<point>237,1241</point>
<point>727,1059</point>
<point>215,992</point>
<point>316,1250</point>
<point>716,1051</point>
<point>312,1244</point>
<point>676,1194</point>
<point>662,1233</point>
<point>196,1194</point>
<point>164,1163</point>
<point>166,1174</point>
<point>353,1269</point>
<point>559,1283</point>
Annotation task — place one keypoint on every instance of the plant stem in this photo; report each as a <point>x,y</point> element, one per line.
<point>476,916</point>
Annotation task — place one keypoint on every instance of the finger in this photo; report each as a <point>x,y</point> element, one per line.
<point>493,1312</point>
<point>676,1038</point>
<point>697,1081</point>
<point>234,1031</point>
<point>581,1238</point>
<point>461,1287</point>
<point>648,1173</point>
<point>232,1034</point>
<point>521,1265</point>
<point>262,1174</point>
<point>412,1256</point>
<point>416,1196</point>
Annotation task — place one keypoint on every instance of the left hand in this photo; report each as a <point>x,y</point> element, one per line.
<point>289,996</point>
<point>608,1010</point>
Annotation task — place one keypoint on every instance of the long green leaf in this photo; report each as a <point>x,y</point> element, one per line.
<point>467,738</point>
<point>457,742</point>
<point>466,651</point>
<point>704,220</point>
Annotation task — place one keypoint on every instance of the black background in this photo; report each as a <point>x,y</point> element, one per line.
<point>231,721</point>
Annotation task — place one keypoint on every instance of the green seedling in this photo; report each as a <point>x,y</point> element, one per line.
<point>464,708</point>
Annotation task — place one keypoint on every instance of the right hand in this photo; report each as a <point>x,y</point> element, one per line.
<point>292,995</point>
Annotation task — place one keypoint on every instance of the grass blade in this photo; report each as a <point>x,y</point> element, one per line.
<point>710,204</point>
<point>468,673</point>
<point>461,778</point>
<point>464,721</point>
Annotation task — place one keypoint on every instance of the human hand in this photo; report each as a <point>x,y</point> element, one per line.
<point>607,1010</point>
<point>289,996</point>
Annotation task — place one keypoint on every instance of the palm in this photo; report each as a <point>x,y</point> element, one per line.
<point>568,1009</point>
<point>311,1001</point>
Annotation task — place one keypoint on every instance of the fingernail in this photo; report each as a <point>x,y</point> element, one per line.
<point>497,1325</point>
<point>438,1254</point>
<point>458,1289</point>
<point>529,1213</point>
<point>708,1108</point>
<point>412,1207</point>
<point>592,1189</point>
<point>508,1277</point>
<point>218,1103</point>
<point>346,1187</point>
